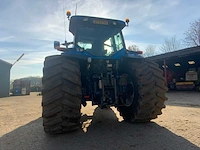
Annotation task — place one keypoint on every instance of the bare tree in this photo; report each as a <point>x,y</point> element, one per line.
<point>150,50</point>
<point>170,45</point>
<point>193,34</point>
<point>133,48</point>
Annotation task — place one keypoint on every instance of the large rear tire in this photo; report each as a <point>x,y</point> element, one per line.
<point>61,95</point>
<point>149,95</point>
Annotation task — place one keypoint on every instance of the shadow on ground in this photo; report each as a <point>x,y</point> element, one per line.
<point>104,132</point>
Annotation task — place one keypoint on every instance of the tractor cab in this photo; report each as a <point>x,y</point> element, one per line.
<point>98,36</point>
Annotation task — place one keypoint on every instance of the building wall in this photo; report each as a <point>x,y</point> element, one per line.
<point>4,79</point>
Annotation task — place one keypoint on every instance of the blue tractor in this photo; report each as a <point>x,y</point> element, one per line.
<point>97,67</point>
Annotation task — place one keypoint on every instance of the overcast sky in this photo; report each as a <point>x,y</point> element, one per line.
<point>31,26</point>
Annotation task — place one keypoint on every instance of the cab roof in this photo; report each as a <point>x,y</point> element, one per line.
<point>110,26</point>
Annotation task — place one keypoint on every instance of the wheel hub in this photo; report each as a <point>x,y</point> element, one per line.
<point>126,90</point>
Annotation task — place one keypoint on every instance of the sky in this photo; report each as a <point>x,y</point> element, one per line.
<point>29,27</point>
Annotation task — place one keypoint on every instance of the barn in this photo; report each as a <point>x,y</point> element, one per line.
<point>181,68</point>
<point>4,78</point>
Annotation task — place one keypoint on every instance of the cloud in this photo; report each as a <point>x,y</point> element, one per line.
<point>37,57</point>
<point>2,51</point>
<point>175,2</point>
<point>159,28</point>
<point>3,39</point>
<point>31,64</point>
<point>142,46</point>
<point>155,26</point>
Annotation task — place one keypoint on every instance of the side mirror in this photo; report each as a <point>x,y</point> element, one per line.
<point>56,44</point>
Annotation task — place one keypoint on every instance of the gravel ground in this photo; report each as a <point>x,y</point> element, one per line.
<point>177,128</point>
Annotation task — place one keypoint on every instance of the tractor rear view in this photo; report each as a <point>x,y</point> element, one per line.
<point>98,68</point>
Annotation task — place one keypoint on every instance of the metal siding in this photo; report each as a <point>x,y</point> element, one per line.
<point>4,79</point>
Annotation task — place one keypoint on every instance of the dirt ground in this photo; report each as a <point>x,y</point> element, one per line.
<point>177,128</point>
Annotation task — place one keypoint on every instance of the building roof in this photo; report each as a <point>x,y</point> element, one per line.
<point>6,63</point>
<point>179,62</point>
<point>177,54</point>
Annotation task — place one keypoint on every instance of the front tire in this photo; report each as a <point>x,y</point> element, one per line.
<point>61,94</point>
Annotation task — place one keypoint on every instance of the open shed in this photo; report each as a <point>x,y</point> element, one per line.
<point>179,62</point>
<point>4,78</point>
